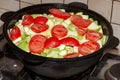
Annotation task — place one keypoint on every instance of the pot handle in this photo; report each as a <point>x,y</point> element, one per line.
<point>5,16</point>
<point>1,54</point>
<point>113,43</point>
<point>1,36</point>
<point>78,5</point>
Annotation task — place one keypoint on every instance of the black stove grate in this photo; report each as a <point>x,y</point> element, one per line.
<point>105,63</point>
<point>9,64</point>
<point>27,75</point>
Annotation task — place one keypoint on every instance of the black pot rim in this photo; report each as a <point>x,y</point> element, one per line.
<point>56,59</point>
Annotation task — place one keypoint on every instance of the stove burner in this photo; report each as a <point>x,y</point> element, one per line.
<point>113,73</point>
<point>106,70</point>
<point>9,64</point>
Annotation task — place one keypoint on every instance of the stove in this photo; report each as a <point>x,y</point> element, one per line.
<point>11,68</point>
<point>108,68</point>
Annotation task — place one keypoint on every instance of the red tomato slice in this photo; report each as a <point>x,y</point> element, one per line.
<point>93,35</point>
<point>40,20</point>
<point>36,44</point>
<point>39,27</point>
<point>59,31</point>
<point>52,42</point>
<point>71,55</point>
<point>69,41</point>
<point>27,20</point>
<point>88,47</point>
<point>78,21</point>
<point>15,33</point>
<point>59,14</point>
<point>81,31</point>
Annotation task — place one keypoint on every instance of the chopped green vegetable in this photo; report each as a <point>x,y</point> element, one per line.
<point>24,46</point>
<point>72,31</point>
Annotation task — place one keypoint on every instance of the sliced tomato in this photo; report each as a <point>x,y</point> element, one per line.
<point>93,35</point>
<point>59,14</point>
<point>27,20</point>
<point>36,44</point>
<point>78,21</point>
<point>39,27</point>
<point>71,55</point>
<point>81,31</point>
<point>69,41</point>
<point>15,33</point>
<point>88,47</point>
<point>40,20</point>
<point>52,42</point>
<point>59,31</point>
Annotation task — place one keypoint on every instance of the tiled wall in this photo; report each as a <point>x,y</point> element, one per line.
<point>110,9</point>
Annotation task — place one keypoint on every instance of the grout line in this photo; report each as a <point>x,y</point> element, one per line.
<point>5,9</point>
<point>115,23</point>
<point>26,2</point>
<point>40,1</point>
<point>117,0</point>
<point>63,1</point>
<point>19,4</point>
<point>111,11</point>
<point>87,2</point>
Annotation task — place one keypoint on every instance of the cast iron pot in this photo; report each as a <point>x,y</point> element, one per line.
<point>52,67</point>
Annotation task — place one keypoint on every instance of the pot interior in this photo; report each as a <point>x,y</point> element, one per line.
<point>43,8</point>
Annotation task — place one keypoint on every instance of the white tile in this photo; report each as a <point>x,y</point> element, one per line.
<point>32,1</point>
<point>2,11</point>
<point>102,7</point>
<point>52,1</point>
<point>116,12</point>
<point>82,1</point>
<point>116,31</point>
<point>9,4</point>
<point>24,4</point>
<point>1,23</point>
